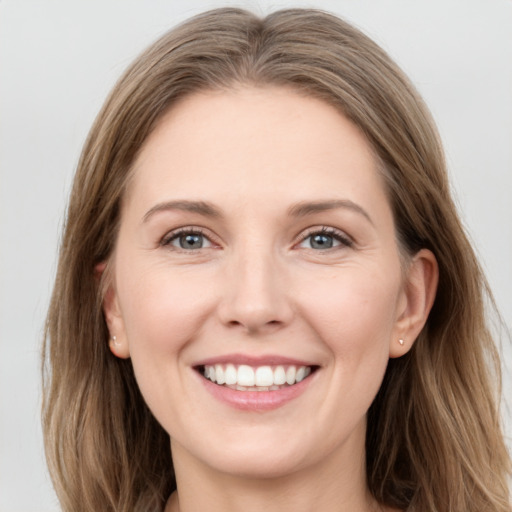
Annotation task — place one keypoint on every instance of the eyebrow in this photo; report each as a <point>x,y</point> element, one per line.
<point>200,207</point>
<point>301,209</point>
<point>307,208</point>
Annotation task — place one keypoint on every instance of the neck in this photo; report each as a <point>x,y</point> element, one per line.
<point>331,485</point>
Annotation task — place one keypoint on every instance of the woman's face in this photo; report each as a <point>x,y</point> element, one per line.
<point>257,246</point>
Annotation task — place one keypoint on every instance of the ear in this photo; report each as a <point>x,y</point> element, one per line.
<point>418,294</point>
<point>118,342</point>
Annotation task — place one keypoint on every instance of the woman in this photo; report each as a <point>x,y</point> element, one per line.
<point>262,267</point>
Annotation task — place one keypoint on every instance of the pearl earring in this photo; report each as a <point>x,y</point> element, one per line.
<point>114,340</point>
<point>401,341</point>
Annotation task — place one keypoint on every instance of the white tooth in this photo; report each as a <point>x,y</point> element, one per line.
<point>273,388</point>
<point>290,375</point>
<point>301,373</point>
<point>240,388</point>
<point>279,376</point>
<point>245,375</point>
<point>219,373</point>
<point>308,371</point>
<point>230,375</point>
<point>263,388</point>
<point>264,376</point>
<point>211,373</point>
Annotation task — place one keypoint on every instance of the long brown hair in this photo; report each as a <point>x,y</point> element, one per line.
<point>434,441</point>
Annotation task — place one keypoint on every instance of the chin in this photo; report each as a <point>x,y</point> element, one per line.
<point>260,466</point>
<point>260,458</point>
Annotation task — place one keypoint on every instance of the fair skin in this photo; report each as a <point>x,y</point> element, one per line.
<point>256,232</point>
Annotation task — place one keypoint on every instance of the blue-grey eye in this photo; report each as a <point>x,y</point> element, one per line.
<point>189,241</point>
<point>324,240</point>
<point>321,241</point>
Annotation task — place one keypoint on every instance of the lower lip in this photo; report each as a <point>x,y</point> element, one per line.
<point>256,400</point>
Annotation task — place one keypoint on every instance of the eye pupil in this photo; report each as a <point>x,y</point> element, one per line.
<point>320,241</point>
<point>191,241</point>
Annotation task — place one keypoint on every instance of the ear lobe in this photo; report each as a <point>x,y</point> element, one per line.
<point>419,292</point>
<point>119,347</point>
<point>118,343</point>
<point>99,270</point>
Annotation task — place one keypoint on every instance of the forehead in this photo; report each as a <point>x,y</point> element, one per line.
<point>254,142</point>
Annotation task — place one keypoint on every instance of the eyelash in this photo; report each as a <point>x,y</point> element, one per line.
<point>337,235</point>
<point>174,235</point>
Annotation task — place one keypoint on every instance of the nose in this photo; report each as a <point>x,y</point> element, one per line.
<point>256,297</point>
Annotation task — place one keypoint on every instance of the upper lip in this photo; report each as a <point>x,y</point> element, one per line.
<point>255,361</point>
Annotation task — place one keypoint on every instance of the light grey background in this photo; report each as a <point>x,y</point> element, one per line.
<point>59,58</point>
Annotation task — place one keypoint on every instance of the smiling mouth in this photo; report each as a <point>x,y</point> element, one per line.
<point>261,378</point>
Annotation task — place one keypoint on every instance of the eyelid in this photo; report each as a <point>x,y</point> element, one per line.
<point>341,236</point>
<point>344,239</point>
<point>173,234</point>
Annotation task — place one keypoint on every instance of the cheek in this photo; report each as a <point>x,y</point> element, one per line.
<point>162,310</point>
<point>354,314</point>
<point>163,313</point>
<point>352,304</point>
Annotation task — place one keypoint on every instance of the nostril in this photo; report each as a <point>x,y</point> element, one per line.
<point>255,312</point>
<point>253,325</point>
